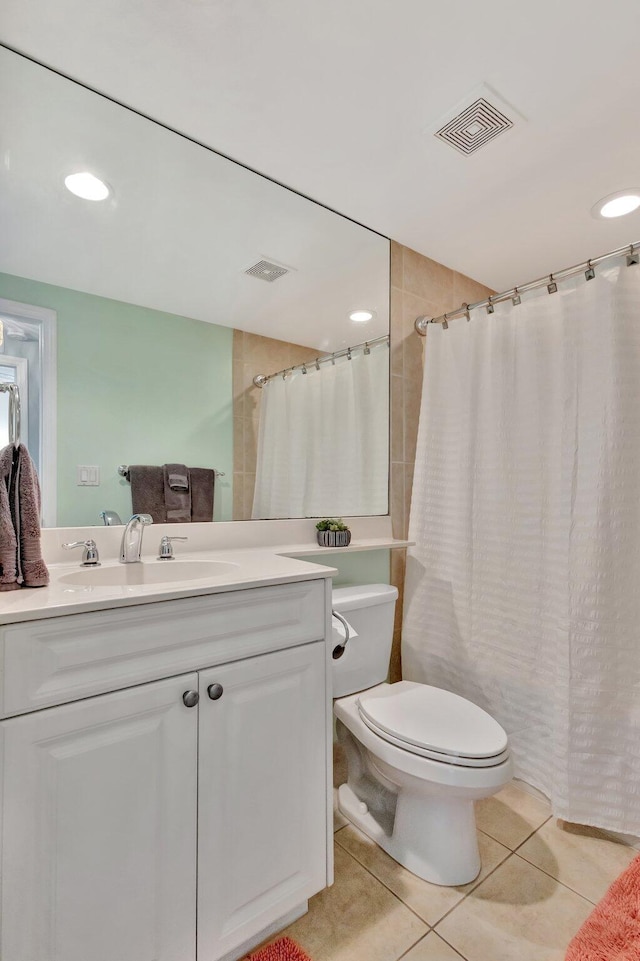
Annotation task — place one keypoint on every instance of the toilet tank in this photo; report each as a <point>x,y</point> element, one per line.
<point>370,611</point>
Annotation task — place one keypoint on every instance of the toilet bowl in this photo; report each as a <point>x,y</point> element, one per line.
<point>417,756</point>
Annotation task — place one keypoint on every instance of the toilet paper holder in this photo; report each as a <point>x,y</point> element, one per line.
<point>338,650</point>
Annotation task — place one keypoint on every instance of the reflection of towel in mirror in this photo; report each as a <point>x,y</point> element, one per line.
<point>147,491</point>
<point>21,563</point>
<point>177,493</point>
<point>202,481</point>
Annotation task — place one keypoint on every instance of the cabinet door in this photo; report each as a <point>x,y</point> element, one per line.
<point>99,828</point>
<point>262,794</point>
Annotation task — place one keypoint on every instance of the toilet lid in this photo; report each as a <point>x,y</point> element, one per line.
<point>430,719</point>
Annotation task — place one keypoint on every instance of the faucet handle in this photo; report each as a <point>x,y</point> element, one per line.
<point>90,557</point>
<point>166,547</point>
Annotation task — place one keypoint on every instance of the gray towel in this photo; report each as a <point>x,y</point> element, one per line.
<point>176,476</point>
<point>177,493</point>
<point>202,481</point>
<point>8,540</point>
<point>21,562</point>
<point>147,491</point>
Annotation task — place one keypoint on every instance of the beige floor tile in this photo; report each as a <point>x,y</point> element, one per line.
<point>430,901</point>
<point>357,919</point>
<point>586,864</point>
<point>511,815</point>
<point>517,914</point>
<point>432,948</point>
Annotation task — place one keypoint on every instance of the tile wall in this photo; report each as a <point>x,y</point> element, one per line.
<point>418,286</point>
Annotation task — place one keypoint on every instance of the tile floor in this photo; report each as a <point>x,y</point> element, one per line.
<point>537,885</point>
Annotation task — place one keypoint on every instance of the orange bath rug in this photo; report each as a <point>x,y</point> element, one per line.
<point>612,930</point>
<point>284,949</point>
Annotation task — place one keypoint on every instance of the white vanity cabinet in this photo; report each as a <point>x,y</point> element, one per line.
<point>99,828</point>
<point>262,794</point>
<point>177,818</point>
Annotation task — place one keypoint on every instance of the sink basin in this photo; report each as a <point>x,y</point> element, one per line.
<point>134,575</point>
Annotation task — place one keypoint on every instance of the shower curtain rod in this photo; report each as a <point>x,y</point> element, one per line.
<point>261,379</point>
<point>550,280</point>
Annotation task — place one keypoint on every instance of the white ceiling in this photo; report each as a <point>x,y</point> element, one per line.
<point>336,99</point>
<point>181,226</point>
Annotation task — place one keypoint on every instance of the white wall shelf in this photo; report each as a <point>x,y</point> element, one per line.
<point>360,544</point>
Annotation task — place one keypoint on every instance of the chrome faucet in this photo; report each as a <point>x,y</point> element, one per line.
<point>131,547</point>
<point>110,518</point>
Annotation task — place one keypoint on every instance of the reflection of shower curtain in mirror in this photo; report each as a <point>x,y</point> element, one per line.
<point>323,446</point>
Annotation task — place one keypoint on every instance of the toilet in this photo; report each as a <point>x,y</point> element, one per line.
<point>417,756</point>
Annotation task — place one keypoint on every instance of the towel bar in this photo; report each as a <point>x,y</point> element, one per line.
<point>14,412</point>
<point>123,470</point>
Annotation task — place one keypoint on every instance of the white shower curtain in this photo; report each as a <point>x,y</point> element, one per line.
<point>323,444</point>
<point>523,590</point>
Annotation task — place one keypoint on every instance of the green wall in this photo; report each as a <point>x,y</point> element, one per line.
<point>135,386</point>
<point>359,567</point>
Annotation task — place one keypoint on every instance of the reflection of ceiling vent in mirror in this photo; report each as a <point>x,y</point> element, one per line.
<point>476,121</point>
<point>265,270</point>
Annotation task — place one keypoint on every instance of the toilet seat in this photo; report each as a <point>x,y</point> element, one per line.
<point>433,723</point>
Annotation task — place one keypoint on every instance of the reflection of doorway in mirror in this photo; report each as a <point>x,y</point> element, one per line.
<point>27,358</point>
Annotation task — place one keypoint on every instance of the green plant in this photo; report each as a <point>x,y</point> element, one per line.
<point>332,524</point>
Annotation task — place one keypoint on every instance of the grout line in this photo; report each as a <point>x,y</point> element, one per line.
<point>412,946</point>
<point>520,843</point>
<point>429,924</point>
<point>558,881</point>
<point>529,836</point>
<point>386,886</point>
<point>473,891</point>
<point>455,950</point>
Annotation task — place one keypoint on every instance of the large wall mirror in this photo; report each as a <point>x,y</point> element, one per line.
<point>136,324</point>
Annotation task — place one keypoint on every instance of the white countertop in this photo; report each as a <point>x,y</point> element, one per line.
<point>255,568</point>
<point>265,552</point>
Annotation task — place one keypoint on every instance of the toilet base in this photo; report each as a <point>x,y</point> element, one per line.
<point>433,837</point>
<point>419,810</point>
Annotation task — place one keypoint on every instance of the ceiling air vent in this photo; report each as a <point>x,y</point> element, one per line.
<point>476,121</point>
<point>265,270</point>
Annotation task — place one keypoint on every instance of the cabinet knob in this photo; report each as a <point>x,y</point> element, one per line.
<point>190,698</point>
<point>215,691</point>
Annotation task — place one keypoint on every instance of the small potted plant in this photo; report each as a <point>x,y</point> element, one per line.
<point>333,532</point>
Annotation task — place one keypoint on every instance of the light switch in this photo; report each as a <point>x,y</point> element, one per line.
<point>87,475</point>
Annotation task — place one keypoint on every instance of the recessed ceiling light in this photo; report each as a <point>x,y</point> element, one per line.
<point>361,316</point>
<point>87,186</point>
<point>618,204</point>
